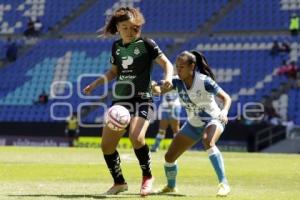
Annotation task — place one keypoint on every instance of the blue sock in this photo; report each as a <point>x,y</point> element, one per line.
<point>158,139</point>
<point>171,173</point>
<point>157,143</point>
<point>217,162</point>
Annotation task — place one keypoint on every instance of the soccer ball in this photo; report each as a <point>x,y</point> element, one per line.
<point>117,118</point>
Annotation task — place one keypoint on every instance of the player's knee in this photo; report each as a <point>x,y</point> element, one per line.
<point>137,141</point>
<point>207,143</point>
<point>107,149</point>
<point>176,130</point>
<point>169,158</point>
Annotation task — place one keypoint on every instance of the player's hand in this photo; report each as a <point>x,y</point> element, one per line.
<point>166,84</point>
<point>153,83</point>
<point>223,116</point>
<point>88,90</point>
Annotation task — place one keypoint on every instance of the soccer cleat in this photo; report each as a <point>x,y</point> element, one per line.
<point>167,189</point>
<point>223,190</point>
<point>146,187</point>
<point>116,189</point>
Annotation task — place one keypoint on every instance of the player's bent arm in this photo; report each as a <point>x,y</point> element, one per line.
<point>158,89</point>
<point>167,66</point>
<point>226,101</point>
<point>108,76</point>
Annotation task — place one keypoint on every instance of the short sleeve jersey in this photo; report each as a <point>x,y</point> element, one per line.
<point>199,101</point>
<point>134,62</point>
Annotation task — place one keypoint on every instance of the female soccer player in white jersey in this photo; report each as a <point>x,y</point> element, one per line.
<point>196,88</point>
<point>168,115</point>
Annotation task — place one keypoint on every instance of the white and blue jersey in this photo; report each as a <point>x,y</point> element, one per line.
<point>199,103</point>
<point>170,106</point>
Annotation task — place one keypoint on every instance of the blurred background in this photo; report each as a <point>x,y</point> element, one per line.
<point>49,51</point>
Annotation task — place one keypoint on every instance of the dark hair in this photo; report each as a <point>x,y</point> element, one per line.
<point>202,64</point>
<point>200,61</point>
<point>120,15</point>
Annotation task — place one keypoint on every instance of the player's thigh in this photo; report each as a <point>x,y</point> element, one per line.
<point>211,135</point>
<point>163,124</point>
<point>110,140</point>
<point>175,125</point>
<point>179,145</point>
<point>137,131</point>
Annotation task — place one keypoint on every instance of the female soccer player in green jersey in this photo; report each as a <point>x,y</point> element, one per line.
<point>131,64</point>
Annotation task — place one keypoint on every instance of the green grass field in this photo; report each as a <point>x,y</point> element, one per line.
<point>80,173</point>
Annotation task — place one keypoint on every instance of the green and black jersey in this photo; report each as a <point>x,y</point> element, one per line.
<point>134,62</point>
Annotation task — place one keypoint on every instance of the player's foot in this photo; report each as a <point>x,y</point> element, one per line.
<point>153,149</point>
<point>146,187</point>
<point>116,189</point>
<point>223,190</point>
<point>167,189</point>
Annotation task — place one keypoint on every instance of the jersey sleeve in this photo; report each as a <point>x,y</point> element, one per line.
<point>175,82</point>
<point>152,48</point>
<point>211,86</point>
<point>113,54</point>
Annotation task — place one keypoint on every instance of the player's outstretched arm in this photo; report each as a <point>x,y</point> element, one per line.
<point>108,76</point>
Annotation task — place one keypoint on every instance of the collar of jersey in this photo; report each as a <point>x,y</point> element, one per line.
<point>127,44</point>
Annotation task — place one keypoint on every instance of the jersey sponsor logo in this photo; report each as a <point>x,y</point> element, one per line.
<point>136,51</point>
<point>126,77</point>
<point>127,71</point>
<point>126,61</point>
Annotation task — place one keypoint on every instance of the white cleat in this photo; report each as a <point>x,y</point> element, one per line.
<point>116,189</point>
<point>223,190</point>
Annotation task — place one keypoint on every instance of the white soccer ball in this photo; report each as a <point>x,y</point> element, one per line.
<point>117,118</point>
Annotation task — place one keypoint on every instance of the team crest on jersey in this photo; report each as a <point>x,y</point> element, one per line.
<point>198,93</point>
<point>126,61</point>
<point>136,51</point>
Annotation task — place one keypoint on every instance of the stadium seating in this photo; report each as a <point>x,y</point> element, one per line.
<point>243,65</point>
<point>15,14</point>
<point>293,105</point>
<point>2,49</point>
<point>92,20</point>
<point>42,66</point>
<point>157,17</point>
<point>258,15</point>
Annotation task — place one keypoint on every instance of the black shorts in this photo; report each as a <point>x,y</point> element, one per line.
<point>71,133</point>
<point>138,107</point>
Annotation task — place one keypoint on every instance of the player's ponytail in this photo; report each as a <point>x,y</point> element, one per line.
<point>202,65</point>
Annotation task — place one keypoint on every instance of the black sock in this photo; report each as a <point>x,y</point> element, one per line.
<point>113,163</point>
<point>143,155</point>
